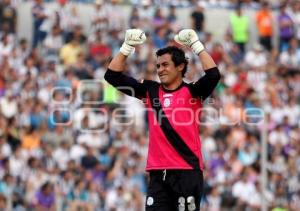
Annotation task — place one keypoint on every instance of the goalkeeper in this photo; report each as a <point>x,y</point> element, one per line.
<point>174,160</point>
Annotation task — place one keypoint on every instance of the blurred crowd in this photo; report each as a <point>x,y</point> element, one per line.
<point>70,141</point>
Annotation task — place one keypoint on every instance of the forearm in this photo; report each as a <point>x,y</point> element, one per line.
<point>206,60</point>
<point>117,64</point>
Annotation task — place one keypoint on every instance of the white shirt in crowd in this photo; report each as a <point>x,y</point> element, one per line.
<point>53,42</point>
<point>8,106</point>
<point>77,151</point>
<point>101,14</point>
<point>256,59</point>
<point>93,139</point>
<point>62,157</point>
<point>242,190</point>
<point>278,137</point>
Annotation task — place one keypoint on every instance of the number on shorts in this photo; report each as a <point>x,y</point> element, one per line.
<point>181,203</point>
<point>190,201</point>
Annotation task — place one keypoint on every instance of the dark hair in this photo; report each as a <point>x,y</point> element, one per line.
<point>46,185</point>
<point>265,4</point>
<point>177,56</point>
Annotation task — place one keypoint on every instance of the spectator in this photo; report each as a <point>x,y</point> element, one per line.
<point>235,55</point>
<point>160,37</point>
<point>286,28</point>
<point>81,68</point>
<point>39,16</point>
<point>6,47</point>
<point>70,22</point>
<point>116,19</point>
<point>45,198</point>
<point>8,15</point>
<point>158,20</point>
<point>70,51</point>
<point>31,140</point>
<point>290,58</point>
<point>79,197</point>
<point>53,42</point>
<point>8,105</point>
<point>22,50</point>
<point>239,28</point>
<point>98,47</point>
<point>99,17</point>
<point>198,19</point>
<point>89,161</point>
<point>172,19</point>
<point>146,14</point>
<point>76,33</point>
<point>256,58</point>
<point>135,20</point>
<point>241,190</point>
<point>264,22</point>
<point>294,13</point>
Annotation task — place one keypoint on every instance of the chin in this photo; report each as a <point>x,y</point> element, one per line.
<point>164,82</point>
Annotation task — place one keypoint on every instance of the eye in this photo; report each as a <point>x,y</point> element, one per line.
<point>157,66</point>
<point>165,64</point>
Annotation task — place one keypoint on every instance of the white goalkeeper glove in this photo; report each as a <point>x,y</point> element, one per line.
<point>189,38</point>
<point>133,37</point>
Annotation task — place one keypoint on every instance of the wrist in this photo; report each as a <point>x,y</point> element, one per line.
<point>126,49</point>
<point>197,47</point>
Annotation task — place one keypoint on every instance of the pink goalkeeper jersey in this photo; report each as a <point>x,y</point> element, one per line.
<point>174,141</point>
<point>183,112</point>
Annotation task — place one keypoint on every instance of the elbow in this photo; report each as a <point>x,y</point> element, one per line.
<point>112,76</point>
<point>218,75</point>
<point>109,76</point>
<point>106,75</point>
<point>214,74</point>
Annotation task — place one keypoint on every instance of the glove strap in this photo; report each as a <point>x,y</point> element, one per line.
<point>197,47</point>
<point>126,49</point>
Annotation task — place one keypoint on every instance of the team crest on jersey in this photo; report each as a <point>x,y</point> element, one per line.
<point>150,201</point>
<point>167,102</point>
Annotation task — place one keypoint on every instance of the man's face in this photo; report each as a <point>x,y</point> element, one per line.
<point>166,70</point>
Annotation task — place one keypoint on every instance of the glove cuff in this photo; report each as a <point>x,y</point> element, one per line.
<point>197,47</point>
<point>126,49</point>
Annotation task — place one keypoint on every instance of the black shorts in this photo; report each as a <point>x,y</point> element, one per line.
<point>171,190</point>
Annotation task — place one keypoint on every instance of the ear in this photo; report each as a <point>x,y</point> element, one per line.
<point>180,67</point>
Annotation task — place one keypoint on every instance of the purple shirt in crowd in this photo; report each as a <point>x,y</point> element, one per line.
<point>45,200</point>
<point>287,31</point>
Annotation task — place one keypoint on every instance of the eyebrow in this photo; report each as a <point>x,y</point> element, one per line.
<point>163,63</point>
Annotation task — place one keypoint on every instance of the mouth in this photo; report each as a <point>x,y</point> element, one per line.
<point>162,75</point>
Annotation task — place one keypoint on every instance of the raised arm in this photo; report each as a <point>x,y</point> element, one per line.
<point>114,75</point>
<point>117,64</point>
<point>206,84</point>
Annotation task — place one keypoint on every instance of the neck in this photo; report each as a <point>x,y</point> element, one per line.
<point>174,85</point>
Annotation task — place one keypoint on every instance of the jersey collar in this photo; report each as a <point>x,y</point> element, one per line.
<point>172,90</point>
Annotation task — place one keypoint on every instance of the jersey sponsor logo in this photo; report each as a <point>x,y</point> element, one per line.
<point>167,95</point>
